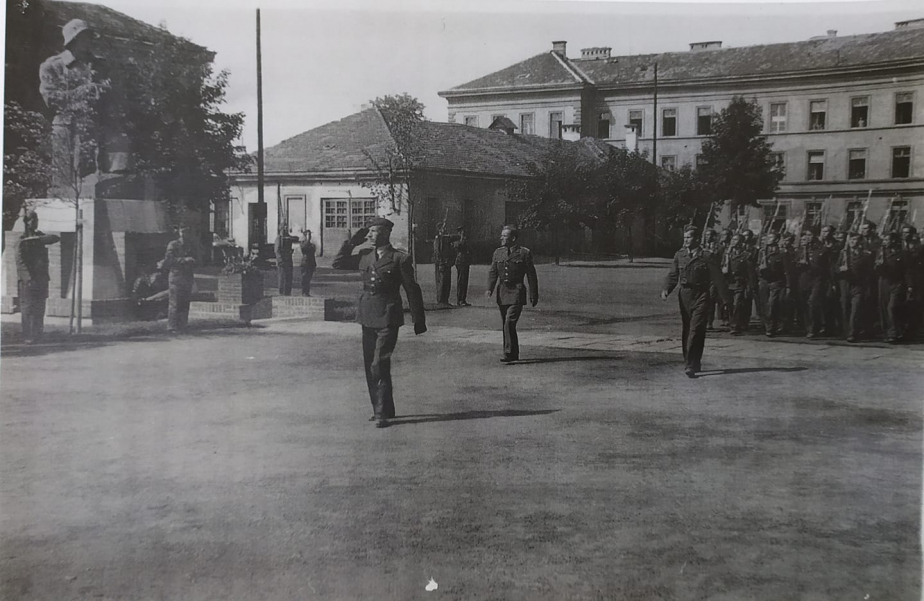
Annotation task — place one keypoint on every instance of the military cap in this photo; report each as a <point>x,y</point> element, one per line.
<point>381,222</point>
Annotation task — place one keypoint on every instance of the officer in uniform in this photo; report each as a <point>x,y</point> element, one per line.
<point>854,269</point>
<point>32,271</point>
<point>380,312</point>
<point>463,263</point>
<point>179,261</point>
<point>442,261</point>
<point>284,253</point>
<point>773,269</point>
<point>694,269</point>
<point>813,269</point>
<point>893,282</point>
<point>742,282</point>
<point>509,265</point>
<point>309,262</point>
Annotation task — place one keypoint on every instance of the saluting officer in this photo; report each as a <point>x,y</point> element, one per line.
<point>854,269</point>
<point>694,269</point>
<point>380,312</point>
<point>742,282</point>
<point>284,251</point>
<point>32,271</point>
<point>509,265</point>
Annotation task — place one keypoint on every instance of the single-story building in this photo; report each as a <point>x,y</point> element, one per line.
<point>322,180</point>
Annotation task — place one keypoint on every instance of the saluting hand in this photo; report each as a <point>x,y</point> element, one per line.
<point>359,236</point>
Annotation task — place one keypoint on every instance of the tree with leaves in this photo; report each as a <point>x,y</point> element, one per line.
<point>394,166</point>
<point>737,161</point>
<point>26,159</point>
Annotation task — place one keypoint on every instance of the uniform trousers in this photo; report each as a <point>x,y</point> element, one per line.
<point>793,316</point>
<point>510,315</point>
<point>694,306</point>
<point>853,304</point>
<point>443,282</point>
<point>833,312</point>
<point>771,297</point>
<point>307,274</point>
<point>461,283</point>
<point>33,296</point>
<point>740,308</point>
<point>178,307</point>
<point>378,345</point>
<point>284,271</point>
<point>891,302</point>
<point>812,300</point>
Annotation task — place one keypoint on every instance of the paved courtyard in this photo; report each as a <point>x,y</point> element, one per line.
<point>239,463</point>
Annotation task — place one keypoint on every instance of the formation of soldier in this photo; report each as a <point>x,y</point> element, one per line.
<point>856,285</point>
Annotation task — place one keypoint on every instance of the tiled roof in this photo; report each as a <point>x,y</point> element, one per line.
<point>542,70</point>
<point>843,52</point>
<point>340,146</point>
<point>109,23</point>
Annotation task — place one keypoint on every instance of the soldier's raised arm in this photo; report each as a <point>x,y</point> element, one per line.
<point>345,259</point>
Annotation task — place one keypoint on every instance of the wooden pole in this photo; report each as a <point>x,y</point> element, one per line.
<point>261,231</point>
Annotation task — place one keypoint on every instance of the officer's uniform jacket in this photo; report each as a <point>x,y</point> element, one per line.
<point>380,303</point>
<point>773,265</point>
<point>696,269</point>
<point>32,259</point>
<point>855,265</point>
<point>179,262</point>
<point>505,277</point>
<point>738,268</point>
<point>463,255</point>
<point>283,248</point>
<point>308,253</point>
<point>442,249</point>
<point>816,259</point>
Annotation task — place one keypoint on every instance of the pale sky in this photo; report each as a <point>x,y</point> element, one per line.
<point>323,60</point>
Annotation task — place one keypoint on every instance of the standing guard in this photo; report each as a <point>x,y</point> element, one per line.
<point>742,282</point>
<point>309,261</point>
<point>463,264</point>
<point>442,261</point>
<point>774,271</point>
<point>284,251</point>
<point>854,269</point>
<point>694,269</point>
<point>890,267</point>
<point>179,261</point>
<point>509,265</point>
<point>32,271</point>
<point>380,312</point>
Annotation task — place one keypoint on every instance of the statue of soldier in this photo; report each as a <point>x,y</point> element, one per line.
<point>32,271</point>
<point>179,261</point>
<point>86,129</point>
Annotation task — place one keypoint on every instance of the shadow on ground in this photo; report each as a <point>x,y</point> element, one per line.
<point>746,370</point>
<point>564,359</point>
<point>465,415</point>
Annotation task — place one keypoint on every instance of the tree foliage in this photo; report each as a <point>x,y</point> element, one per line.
<point>26,159</point>
<point>737,161</point>
<point>394,165</point>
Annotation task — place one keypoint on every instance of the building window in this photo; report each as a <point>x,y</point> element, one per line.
<point>818,112</point>
<point>812,214</point>
<point>775,215</point>
<point>856,164</point>
<point>363,211</point>
<point>901,161</point>
<point>603,126</point>
<point>699,161</point>
<point>555,120</point>
<point>854,213</point>
<point>816,165</point>
<point>528,124</point>
<point>472,120</point>
<point>777,117</point>
<point>335,214</point>
<point>859,111</point>
<point>704,121</point>
<point>669,163</point>
<point>636,118</point>
<point>904,108</point>
<point>669,122</point>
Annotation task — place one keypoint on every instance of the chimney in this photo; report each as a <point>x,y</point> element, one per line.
<point>832,33</point>
<point>572,132</point>
<point>910,24</point>
<point>631,139</point>
<point>559,48</point>
<point>594,54</point>
<point>700,46</point>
